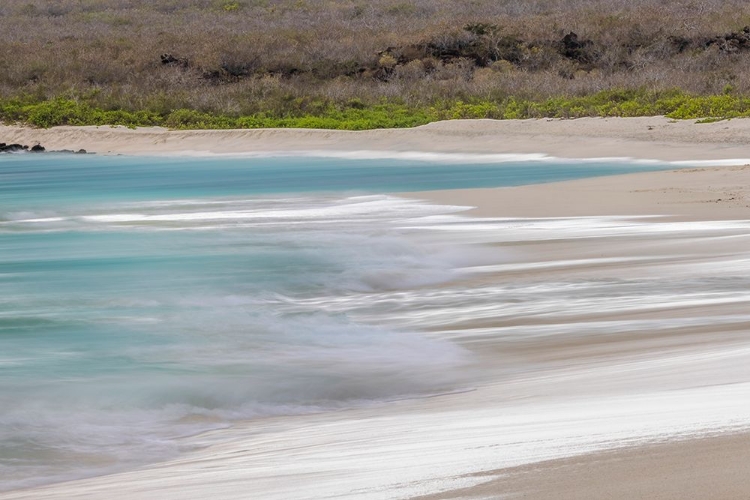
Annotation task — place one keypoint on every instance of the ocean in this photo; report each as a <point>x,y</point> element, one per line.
<point>146,299</point>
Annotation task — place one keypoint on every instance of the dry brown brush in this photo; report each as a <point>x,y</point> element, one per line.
<point>242,57</point>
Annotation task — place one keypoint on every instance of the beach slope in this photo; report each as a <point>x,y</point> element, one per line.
<point>656,138</point>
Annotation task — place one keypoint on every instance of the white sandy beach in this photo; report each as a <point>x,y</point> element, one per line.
<point>620,370</point>
<point>656,138</point>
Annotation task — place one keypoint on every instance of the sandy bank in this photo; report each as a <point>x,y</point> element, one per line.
<point>712,193</point>
<point>652,137</point>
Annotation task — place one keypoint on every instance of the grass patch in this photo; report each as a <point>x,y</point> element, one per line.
<point>357,115</point>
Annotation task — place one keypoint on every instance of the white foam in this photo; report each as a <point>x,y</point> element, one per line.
<point>421,156</point>
<point>433,157</point>
<point>401,452</point>
<point>188,214</point>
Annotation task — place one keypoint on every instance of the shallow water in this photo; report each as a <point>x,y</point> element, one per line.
<point>144,299</point>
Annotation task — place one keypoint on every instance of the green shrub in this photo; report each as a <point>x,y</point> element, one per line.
<point>358,114</point>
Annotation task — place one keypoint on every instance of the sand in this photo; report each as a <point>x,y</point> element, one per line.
<point>652,137</point>
<point>713,468</point>
<point>685,194</point>
<point>622,371</point>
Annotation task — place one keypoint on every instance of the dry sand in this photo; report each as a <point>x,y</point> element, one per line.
<point>600,394</point>
<point>652,137</point>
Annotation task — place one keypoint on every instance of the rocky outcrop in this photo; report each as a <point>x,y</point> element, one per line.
<point>733,42</point>
<point>12,148</point>
<point>36,148</point>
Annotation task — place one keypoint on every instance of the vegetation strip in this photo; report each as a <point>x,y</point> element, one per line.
<point>355,115</point>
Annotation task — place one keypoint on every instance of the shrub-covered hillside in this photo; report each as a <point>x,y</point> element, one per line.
<point>358,64</point>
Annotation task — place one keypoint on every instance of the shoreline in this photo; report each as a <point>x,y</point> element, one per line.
<point>688,466</point>
<point>452,446</point>
<point>649,138</point>
<point>697,468</point>
<point>702,193</point>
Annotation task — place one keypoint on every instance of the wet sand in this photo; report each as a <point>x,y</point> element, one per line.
<point>681,466</point>
<point>703,468</point>
<point>685,194</point>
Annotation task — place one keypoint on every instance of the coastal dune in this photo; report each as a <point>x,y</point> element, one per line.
<point>612,343</point>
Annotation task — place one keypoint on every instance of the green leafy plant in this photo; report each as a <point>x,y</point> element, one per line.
<point>357,114</point>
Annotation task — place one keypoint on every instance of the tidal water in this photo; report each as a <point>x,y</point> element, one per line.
<point>145,299</point>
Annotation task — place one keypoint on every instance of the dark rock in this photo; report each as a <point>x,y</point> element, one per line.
<point>731,42</point>
<point>12,148</point>
<point>170,60</point>
<point>448,49</point>
<point>576,49</point>
<point>37,148</point>
<point>69,151</point>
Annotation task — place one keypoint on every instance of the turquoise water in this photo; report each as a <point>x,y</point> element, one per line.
<point>145,299</point>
